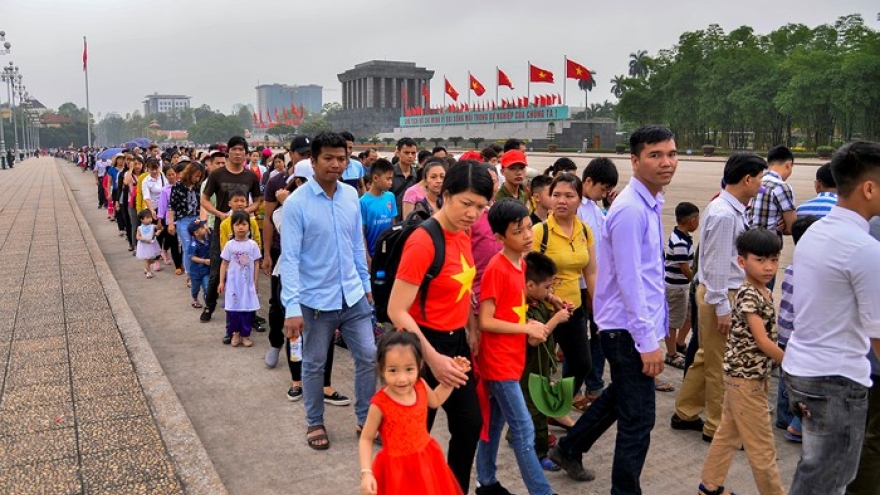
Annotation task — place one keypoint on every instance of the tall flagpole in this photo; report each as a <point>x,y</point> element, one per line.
<point>565,80</point>
<point>88,110</point>
<point>470,88</point>
<point>529,84</point>
<point>496,86</point>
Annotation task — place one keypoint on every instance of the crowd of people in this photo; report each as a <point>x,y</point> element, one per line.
<point>488,277</point>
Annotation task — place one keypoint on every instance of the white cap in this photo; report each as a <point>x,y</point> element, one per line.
<point>303,168</point>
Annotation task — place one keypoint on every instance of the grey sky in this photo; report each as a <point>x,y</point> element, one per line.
<point>217,50</point>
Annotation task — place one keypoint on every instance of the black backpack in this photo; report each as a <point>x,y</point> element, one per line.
<point>389,248</point>
<point>546,236</point>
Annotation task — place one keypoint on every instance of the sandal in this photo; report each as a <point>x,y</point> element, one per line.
<point>717,491</point>
<point>663,386</point>
<point>188,283</point>
<point>196,304</point>
<point>319,441</point>
<point>581,403</point>
<point>676,361</point>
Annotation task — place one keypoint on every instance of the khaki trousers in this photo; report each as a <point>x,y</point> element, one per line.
<point>703,387</point>
<point>745,420</point>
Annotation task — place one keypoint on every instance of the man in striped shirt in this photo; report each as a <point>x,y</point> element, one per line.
<point>826,190</point>
<point>773,208</point>
<point>679,258</point>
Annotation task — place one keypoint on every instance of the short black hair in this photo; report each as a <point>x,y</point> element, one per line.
<point>505,212</point>
<point>648,134</point>
<point>395,339</point>
<point>438,148</point>
<point>347,136</point>
<point>499,150</point>
<point>422,156</point>
<point>685,210</point>
<point>238,191</point>
<point>406,141</point>
<point>240,217</point>
<point>237,141</point>
<point>758,242</point>
<point>468,175</point>
<point>327,140</point>
<point>779,154</point>
<point>572,179</point>
<point>539,267</point>
<point>825,177</point>
<point>381,167</point>
<point>742,164</point>
<point>852,163</point>
<point>563,164</point>
<point>801,225</point>
<point>539,182</point>
<point>151,162</point>
<point>601,171</point>
<point>488,153</point>
<point>512,144</point>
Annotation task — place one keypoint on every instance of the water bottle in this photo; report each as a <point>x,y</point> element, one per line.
<point>380,278</point>
<point>296,350</point>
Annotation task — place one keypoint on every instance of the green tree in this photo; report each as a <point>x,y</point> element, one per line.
<point>314,124</point>
<point>618,85</point>
<point>455,140</point>
<point>638,64</point>
<point>476,141</point>
<point>436,141</point>
<point>218,128</point>
<point>587,86</point>
<point>283,132</point>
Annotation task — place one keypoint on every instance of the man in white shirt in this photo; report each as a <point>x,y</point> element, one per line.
<point>719,276</point>
<point>837,296</point>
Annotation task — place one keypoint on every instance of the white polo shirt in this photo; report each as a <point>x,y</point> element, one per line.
<point>837,297</point>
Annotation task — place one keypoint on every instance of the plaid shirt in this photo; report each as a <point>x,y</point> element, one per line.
<point>776,196</point>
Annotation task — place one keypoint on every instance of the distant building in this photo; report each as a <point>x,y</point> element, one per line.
<point>375,93</point>
<point>278,97</point>
<point>156,103</point>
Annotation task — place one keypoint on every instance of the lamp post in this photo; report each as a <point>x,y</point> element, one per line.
<point>10,73</point>
<point>3,51</point>
<point>19,91</point>
<point>25,120</point>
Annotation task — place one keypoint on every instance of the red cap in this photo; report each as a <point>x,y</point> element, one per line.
<point>512,157</point>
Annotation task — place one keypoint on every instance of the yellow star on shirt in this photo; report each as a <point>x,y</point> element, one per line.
<point>521,310</point>
<point>465,278</point>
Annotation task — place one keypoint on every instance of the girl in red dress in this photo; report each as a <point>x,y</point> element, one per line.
<point>410,461</point>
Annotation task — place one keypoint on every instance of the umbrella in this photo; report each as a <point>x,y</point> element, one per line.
<point>142,142</point>
<point>109,153</point>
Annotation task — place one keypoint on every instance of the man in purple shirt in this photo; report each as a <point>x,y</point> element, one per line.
<point>630,311</point>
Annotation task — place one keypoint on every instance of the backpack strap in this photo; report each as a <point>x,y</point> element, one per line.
<point>545,236</point>
<point>432,226</point>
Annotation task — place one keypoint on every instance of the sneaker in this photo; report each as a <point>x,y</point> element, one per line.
<point>247,342</point>
<point>679,424</point>
<point>236,340</point>
<point>548,465</point>
<point>573,467</point>
<point>335,399</point>
<point>271,358</point>
<point>493,489</point>
<point>157,267</point>
<point>206,314</point>
<point>227,339</point>
<point>294,394</point>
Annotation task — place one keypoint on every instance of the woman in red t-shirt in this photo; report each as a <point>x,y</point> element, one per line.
<point>444,330</point>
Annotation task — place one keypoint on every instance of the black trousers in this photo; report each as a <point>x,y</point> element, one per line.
<point>102,195</point>
<point>573,338</point>
<point>171,243</point>
<point>214,280</point>
<point>123,220</point>
<point>462,408</point>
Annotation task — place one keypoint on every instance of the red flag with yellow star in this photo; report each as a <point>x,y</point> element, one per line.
<point>476,86</point>
<point>539,75</point>
<point>574,70</point>
<point>450,90</point>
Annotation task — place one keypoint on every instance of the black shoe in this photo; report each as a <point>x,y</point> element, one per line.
<point>227,339</point>
<point>206,314</point>
<point>336,399</point>
<point>493,489</point>
<point>259,320</point>
<point>707,438</point>
<point>294,394</point>
<point>679,424</point>
<point>257,327</point>
<point>573,467</point>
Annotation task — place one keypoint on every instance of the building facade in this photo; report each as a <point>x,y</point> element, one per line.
<point>156,103</point>
<point>278,97</point>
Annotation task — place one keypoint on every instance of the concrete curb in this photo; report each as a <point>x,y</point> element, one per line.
<point>191,462</point>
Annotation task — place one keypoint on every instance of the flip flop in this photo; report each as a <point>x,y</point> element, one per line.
<point>663,386</point>
<point>313,440</point>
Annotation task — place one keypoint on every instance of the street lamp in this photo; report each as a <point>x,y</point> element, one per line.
<point>3,51</point>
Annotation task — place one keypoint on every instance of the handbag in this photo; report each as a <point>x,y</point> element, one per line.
<point>552,399</point>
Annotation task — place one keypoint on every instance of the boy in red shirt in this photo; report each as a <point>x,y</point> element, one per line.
<point>502,355</point>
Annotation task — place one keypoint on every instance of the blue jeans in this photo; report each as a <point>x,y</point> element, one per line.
<point>355,325</point>
<point>784,416</point>
<point>199,282</point>
<point>833,410</point>
<point>182,227</point>
<point>629,401</point>
<point>507,404</point>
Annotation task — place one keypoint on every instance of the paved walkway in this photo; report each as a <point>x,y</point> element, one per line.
<point>84,406</point>
<point>95,412</point>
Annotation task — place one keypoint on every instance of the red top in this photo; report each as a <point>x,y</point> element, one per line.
<point>449,294</point>
<point>503,355</point>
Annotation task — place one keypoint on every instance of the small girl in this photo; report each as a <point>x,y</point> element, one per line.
<point>410,461</point>
<point>147,247</point>
<point>238,272</point>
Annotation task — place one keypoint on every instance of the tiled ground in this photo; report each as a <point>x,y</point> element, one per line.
<point>73,415</point>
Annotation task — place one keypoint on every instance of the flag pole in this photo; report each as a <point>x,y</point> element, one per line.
<point>88,111</point>
<point>470,88</point>
<point>496,86</point>
<point>565,80</point>
<point>529,84</point>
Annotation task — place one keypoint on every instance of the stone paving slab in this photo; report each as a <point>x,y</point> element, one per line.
<point>255,437</point>
<point>84,406</point>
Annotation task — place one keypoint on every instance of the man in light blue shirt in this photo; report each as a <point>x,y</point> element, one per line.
<point>630,311</point>
<point>353,175</point>
<point>325,281</point>
<point>826,194</point>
